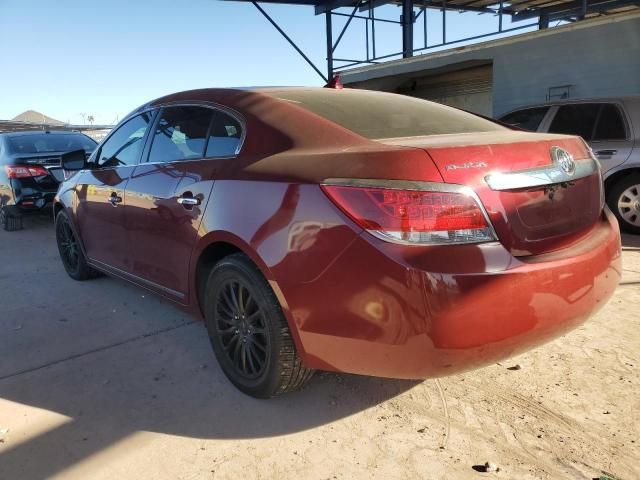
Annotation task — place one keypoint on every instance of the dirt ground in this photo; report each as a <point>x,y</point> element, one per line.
<point>101,380</point>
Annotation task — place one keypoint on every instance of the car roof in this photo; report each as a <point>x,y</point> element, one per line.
<point>568,101</point>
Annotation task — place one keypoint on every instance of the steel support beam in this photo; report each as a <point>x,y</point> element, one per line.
<point>572,9</point>
<point>329,45</point>
<point>407,28</point>
<point>291,42</point>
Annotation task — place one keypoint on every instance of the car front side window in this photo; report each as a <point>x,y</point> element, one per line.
<point>124,146</point>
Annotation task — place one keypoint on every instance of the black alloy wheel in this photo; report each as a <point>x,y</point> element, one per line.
<point>71,253</point>
<point>248,331</point>
<point>240,323</point>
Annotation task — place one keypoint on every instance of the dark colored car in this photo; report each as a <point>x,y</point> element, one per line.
<point>344,230</point>
<point>30,170</point>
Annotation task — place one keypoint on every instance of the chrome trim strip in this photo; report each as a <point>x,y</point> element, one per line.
<point>133,278</point>
<point>417,186</point>
<point>540,177</point>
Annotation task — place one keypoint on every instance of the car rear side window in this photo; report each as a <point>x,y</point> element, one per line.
<point>124,146</point>
<point>378,115</point>
<point>528,119</point>
<point>578,119</point>
<point>610,124</point>
<point>181,134</point>
<point>225,136</point>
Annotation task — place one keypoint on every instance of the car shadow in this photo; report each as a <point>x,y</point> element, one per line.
<point>102,377</point>
<point>167,383</point>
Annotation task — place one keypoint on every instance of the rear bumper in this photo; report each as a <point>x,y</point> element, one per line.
<point>395,312</point>
<point>28,195</point>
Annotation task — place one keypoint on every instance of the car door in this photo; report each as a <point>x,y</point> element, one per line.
<point>168,192</point>
<point>612,141</point>
<point>601,125</point>
<point>100,194</point>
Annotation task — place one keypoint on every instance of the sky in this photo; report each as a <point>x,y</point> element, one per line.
<point>106,57</point>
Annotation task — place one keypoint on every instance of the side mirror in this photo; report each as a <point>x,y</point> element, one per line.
<point>74,161</point>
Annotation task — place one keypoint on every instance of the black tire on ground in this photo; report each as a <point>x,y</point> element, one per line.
<point>248,331</point>
<point>9,221</point>
<point>623,198</point>
<point>71,254</point>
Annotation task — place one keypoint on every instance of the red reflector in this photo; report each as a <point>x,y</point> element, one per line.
<point>408,214</point>
<point>24,171</point>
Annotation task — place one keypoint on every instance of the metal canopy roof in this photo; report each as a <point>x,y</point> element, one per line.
<point>518,9</point>
<point>18,126</point>
<point>524,14</point>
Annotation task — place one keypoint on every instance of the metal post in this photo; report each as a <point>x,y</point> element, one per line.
<point>500,16</point>
<point>444,21</point>
<point>543,22</point>
<point>329,46</point>
<point>407,28</point>
<point>424,22</point>
<point>373,31</point>
<point>583,10</point>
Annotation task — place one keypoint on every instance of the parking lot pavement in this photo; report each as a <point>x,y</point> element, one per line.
<point>102,380</point>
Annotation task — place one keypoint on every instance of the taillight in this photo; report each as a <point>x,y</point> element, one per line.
<point>24,171</point>
<point>400,212</point>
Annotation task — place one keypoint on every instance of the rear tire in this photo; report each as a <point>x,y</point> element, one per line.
<point>9,221</point>
<point>71,254</point>
<point>623,199</point>
<point>248,331</point>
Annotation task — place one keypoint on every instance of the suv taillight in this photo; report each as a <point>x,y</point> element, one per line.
<point>24,171</point>
<point>434,214</point>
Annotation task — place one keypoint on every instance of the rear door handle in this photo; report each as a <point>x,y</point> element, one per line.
<point>606,152</point>
<point>188,200</point>
<point>114,199</point>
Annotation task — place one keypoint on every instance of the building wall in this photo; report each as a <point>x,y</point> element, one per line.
<point>599,57</point>
<point>597,62</point>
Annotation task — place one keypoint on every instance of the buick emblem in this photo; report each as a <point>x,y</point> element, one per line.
<point>564,160</point>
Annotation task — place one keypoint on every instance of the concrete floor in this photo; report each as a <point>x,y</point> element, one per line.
<point>103,380</point>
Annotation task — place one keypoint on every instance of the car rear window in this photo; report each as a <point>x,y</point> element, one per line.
<point>528,119</point>
<point>378,115</point>
<point>47,142</point>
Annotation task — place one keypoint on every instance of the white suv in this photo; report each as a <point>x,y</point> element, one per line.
<point>611,126</point>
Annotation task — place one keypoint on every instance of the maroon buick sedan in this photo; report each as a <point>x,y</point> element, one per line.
<point>343,230</point>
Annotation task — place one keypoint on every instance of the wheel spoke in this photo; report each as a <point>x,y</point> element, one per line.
<point>228,298</point>
<point>243,356</point>
<point>249,350</point>
<point>241,300</point>
<point>259,346</point>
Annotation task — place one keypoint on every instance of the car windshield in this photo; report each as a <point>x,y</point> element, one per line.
<point>47,142</point>
<point>377,115</point>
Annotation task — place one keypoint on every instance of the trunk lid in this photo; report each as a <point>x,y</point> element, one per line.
<point>535,206</point>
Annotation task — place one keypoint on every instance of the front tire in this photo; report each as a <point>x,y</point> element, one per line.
<point>248,331</point>
<point>71,254</point>
<point>624,201</point>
